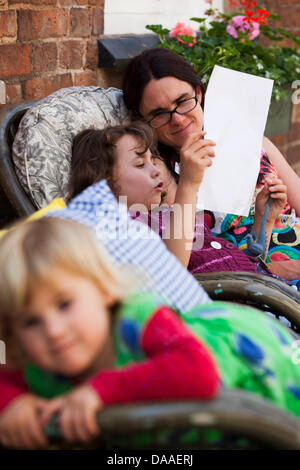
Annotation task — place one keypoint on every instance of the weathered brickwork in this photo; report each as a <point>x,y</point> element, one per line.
<point>48,44</point>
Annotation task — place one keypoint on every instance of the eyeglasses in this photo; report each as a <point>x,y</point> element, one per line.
<point>183,107</point>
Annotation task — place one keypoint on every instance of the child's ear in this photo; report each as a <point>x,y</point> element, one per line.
<point>109,299</point>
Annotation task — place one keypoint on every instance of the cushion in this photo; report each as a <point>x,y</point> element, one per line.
<point>43,144</point>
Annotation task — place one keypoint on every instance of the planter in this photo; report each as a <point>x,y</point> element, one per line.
<point>279,117</point>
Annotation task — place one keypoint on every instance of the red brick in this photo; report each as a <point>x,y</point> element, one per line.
<point>13,93</point>
<point>289,16</point>
<point>71,54</point>
<point>44,57</point>
<point>97,21</point>
<point>92,54</point>
<point>80,26</point>
<point>33,2</point>
<point>96,3</point>
<point>39,87</point>
<point>65,3</point>
<point>293,155</point>
<point>296,111</point>
<point>8,23</point>
<point>15,60</point>
<point>86,78</point>
<point>294,133</point>
<point>291,2</point>
<point>41,24</point>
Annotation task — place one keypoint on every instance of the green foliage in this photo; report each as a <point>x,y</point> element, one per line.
<point>214,46</point>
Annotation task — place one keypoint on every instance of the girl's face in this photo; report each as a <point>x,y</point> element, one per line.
<point>137,174</point>
<point>164,95</point>
<point>66,327</point>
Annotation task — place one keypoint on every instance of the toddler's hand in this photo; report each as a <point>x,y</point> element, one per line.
<point>76,413</point>
<point>19,424</point>
<point>275,189</point>
<point>195,158</point>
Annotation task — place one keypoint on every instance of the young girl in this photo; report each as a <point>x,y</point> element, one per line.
<point>82,341</point>
<point>127,157</point>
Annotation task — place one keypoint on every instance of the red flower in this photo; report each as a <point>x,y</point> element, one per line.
<point>263,15</point>
<point>252,13</point>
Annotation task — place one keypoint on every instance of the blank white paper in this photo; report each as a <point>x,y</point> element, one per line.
<point>235,115</point>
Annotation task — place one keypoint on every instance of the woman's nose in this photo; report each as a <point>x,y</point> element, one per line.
<point>177,118</point>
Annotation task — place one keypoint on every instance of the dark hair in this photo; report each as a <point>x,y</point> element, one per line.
<point>155,63</point>
<point>93,154</point>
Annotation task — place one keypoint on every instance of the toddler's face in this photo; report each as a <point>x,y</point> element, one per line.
<point>169,184</point>
<point>137,174</point>
<point>66,326</point>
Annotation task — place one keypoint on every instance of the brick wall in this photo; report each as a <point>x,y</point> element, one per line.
<point>289,144</point>
<point>48,44</point>
<point>289,11</point>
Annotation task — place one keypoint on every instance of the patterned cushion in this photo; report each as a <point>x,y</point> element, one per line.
<point>43,144</point>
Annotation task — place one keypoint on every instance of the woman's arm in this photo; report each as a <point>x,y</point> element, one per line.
<point>194,159</point>
<point>178,366</point>
<point>286,173</point>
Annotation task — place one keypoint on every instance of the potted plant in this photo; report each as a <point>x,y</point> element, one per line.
<point>242,41</point>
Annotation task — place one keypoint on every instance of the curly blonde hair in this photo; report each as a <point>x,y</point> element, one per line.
<point>28,254</point>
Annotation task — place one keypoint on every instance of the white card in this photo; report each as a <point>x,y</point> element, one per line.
<point>235,115</point>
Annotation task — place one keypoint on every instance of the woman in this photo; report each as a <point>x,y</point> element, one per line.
<point>164,90</point>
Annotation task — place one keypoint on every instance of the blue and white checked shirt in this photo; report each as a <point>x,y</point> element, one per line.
<point>134,245</point>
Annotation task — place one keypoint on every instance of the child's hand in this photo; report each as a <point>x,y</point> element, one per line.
<point>275,189</point>
<point>195,158</point>
<point>19,424</point>
<point>77,414</point>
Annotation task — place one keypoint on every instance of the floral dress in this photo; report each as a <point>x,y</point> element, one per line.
<point>285,240</point>
<point>251,350</point>
<point>157,347</point>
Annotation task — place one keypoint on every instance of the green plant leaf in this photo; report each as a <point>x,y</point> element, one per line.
<point>198,20</point>
<point>215,46</point>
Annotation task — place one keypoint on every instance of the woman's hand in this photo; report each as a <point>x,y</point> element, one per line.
<point>275,189</point>
<point>19,424</point>
<point>195,158</point>
<point>76,413</point>
<point>286,173</point>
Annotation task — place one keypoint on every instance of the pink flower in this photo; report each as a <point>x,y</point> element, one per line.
<point>255,31</point>
<point>238,20</point>
<point>183,30</point>
<point>208,1</point>
<point>238,23</point>
<point>231,30</point>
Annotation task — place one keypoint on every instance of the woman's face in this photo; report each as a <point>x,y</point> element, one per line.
<point>164,95</point>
